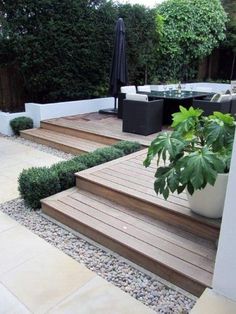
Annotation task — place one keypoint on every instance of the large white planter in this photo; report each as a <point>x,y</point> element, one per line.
<point>209,202</point>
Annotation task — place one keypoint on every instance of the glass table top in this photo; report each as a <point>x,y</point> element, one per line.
<point>175,94</point>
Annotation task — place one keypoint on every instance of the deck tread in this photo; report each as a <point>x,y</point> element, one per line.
<point>178,252</point>
<point>139,185</point>
<point>111,129</point>
<point>62,139</point>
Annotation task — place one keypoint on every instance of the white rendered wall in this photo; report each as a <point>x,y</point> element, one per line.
<point>224,280</point>
<point>203,87</point>
<point>39,112</point>
<point>6,117</point>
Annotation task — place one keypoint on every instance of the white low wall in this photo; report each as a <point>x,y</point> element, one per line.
<point>39,112</point>
<point>202,87</point>
<point>6,117</point>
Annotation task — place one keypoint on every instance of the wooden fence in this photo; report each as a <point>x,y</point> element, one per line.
<point>12,96</point>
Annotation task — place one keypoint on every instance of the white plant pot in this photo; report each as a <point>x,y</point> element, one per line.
<point>209,202</point>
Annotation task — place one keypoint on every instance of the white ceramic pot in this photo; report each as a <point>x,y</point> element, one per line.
<point>209,202</point>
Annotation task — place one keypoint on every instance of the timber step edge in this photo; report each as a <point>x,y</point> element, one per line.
<point>64,142</point>
<point>166,211</point>
<point>80,133</point>
<point>80,212</point>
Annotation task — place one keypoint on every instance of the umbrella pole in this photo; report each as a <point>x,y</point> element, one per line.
<point>115,103</point>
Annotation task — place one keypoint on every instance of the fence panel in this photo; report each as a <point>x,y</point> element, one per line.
<point>12,96</point>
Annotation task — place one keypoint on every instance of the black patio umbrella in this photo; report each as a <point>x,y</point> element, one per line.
<point>119,72</point>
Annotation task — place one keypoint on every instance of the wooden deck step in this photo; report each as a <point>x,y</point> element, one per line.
<point>64,142</point>
<point>127,182</point>
<point>105,131</point>
<point>177,256</point>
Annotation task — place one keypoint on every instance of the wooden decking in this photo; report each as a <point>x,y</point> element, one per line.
<point>167,251</point>
<point>64,142</point>
<point>115,205</point>
<point>100,128</point>
<point>82,133</point>
<point>129,183</point>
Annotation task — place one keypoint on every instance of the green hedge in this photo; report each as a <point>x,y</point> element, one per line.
<point>127,147</point>
<point>66,172</point>
<point>21,123</point>
<point>38,183</point>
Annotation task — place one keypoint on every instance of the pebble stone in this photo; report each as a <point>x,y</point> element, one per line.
<point>147,288</point>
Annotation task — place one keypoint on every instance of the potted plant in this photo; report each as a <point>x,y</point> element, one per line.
<point>196,157</point>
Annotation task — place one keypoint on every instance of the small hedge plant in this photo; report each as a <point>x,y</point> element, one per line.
<point>21,123</point>
<point>38,183</point>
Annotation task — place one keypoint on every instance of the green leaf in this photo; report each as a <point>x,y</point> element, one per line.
<point>226,118</point>
<point>184,114</point>
<point>164,144</point>
<point>200,167</point>
<point>219,131</point>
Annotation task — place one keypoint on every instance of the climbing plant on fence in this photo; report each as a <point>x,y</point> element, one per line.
<point>191,30</point>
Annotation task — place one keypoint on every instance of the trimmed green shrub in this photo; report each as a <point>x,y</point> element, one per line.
<point>66,172</point>
<point>36,184</point>
<point>99,156</point>
<point>127,147</point>
<point>21,123</point>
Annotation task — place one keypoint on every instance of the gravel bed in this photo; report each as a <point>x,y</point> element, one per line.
<point>146,287</point>
<point>40,147</point>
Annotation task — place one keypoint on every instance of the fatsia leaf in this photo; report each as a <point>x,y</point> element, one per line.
<point>164,144</point>
<point>226,118</point>
<point>184,115</point>
<point>167,180</point>
<point>200,167</point>
<point>218,134</point>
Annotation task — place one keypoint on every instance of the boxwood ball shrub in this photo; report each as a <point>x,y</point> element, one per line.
<point>38,183</point>
<point>21,123</point>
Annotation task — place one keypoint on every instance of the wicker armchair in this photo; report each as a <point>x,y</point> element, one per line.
<point>141,116</point>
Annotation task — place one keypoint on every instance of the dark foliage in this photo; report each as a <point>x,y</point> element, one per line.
<point>21,123</point>
<point>64,47</point>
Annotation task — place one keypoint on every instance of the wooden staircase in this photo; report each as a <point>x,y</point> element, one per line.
<point>61,141</point>
<point>78,134</point>
<point>115,205</point>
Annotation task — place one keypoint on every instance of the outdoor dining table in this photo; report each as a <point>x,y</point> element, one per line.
<point>173,99</point>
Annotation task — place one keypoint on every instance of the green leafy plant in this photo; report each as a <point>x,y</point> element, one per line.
<point>194,153</point>
<point>21,123</point>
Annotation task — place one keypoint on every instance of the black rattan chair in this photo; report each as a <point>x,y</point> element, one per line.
<point>210,106</point>
<point>142,117</point>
